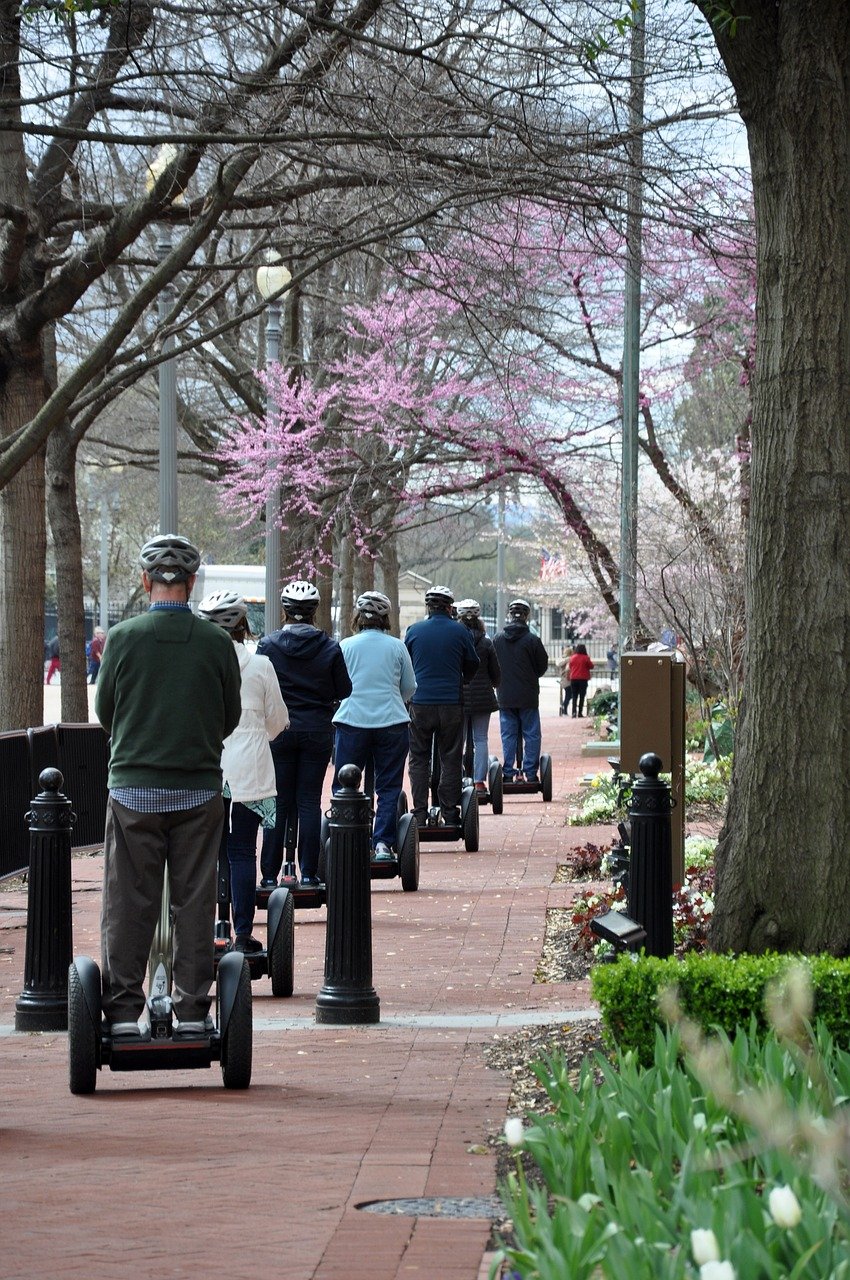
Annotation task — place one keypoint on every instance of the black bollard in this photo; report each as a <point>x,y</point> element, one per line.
<point>650,898</point>
<point>347,994</point>
<point>43,1003</point>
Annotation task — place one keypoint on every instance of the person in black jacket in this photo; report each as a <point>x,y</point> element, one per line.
<point>479,698</point>
<point>523,661</point>
<point>313,679</point>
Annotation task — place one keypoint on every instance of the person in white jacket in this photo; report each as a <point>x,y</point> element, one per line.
<point>246,761</point>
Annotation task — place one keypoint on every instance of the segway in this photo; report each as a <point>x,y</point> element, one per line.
<point>436,828</point>
<point>301,895</point>
<point>494,795</point>
<point>405,860</point>
<point>544,783</point>
<point>228,1041</point>
<point>277,959</point>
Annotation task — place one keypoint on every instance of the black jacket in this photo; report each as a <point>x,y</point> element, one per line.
<point>523,661</point>
<point>478,695</point>
<point>311,672</point>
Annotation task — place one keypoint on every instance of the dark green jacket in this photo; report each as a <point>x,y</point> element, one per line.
<point>168,693</point>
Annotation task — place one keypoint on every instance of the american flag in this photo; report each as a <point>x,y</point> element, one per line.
<point>551,565</point>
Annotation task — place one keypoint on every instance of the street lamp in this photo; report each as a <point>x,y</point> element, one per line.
<point>272,281</point>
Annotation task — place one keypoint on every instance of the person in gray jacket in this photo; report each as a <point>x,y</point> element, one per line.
<point>523,660</point>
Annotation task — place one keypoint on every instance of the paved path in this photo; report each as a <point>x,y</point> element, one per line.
<point>168,1175</point>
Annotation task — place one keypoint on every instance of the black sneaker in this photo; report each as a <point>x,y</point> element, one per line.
<point>311,882</point>
<point>268,884</point>
<point>246,944</point>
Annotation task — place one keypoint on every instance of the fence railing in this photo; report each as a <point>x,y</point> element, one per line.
<point>80,752</point>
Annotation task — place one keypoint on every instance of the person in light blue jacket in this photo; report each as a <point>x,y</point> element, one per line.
<point>372,723</point>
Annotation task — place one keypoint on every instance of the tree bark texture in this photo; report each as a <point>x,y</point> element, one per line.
<point>781,865</point>
<point>67,549</point>
<point>389,578</point>
<point>23,541</point>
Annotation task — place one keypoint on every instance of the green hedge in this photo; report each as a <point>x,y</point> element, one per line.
<point>722,991</point>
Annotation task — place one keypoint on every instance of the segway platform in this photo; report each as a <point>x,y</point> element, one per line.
<point>544,785</point>
<point>436,828</point>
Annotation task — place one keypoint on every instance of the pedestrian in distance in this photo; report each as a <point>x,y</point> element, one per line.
<point>95,654</point>
<point>54,666</point>
<point>372,723</point>
<point>246,762</point>
<point>479,696</point>
<point>444,658</point>
<point>313,681</point>
<point>581,667</point>
<point>565,684</point>
<point>168,695</point>
<point>523,660</point>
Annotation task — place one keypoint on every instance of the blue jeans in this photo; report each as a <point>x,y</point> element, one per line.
<point>382,754</point>
<point>512,721</point>
<point>301,758</point>
<point>479,724</point>
<point>242,858</point>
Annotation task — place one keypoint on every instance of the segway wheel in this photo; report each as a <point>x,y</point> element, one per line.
<point>282,952</point>
<point>494,786</point>
<point>470,825</point>
<point>403,806</point>
<point>408,853</point>
<point>237,1040</point>
<point>546,778</point>
<point>83,1033</point>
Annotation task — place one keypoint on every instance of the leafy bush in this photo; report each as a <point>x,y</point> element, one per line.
<point>586,860</point>
<point>705,784</point>
<point>604,703</point>
<point>727,1165</point>
<point>721,991</point>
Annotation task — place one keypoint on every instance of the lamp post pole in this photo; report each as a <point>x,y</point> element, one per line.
<point>631,342</point>
<point>167,411</point>
<point>273,500</point>
<point>272,281</point>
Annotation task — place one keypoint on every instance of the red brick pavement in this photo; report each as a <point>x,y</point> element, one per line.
<point>169,1175</point>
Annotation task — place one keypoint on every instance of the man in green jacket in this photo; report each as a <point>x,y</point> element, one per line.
<point>168,694</point>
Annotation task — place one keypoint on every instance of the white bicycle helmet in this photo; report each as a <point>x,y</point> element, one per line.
<point>373,602</point>
<point>468,609</point>
<point>300,600</point>
<point>169,558</point>
<point>519,610</point>
<point>225,608</point>
<point>442,597</point>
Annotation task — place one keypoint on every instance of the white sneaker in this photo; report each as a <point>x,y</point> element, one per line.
<point>383,852</point>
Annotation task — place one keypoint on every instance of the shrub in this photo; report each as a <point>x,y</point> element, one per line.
<point>586,860</point>
<point>607,800</point>
<point>715,991</point>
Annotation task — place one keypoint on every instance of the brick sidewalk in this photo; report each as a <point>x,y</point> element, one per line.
<point>169,1175</point>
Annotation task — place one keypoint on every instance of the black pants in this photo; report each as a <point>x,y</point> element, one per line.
<point>428,720</point>
<point>579,691</point>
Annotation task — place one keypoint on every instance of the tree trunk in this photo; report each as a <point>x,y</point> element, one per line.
<point>364,573</point>
<point>389,577</point>
<point>781,866</point>
<point>346,586</point>
<point>23,542</point>
<point>67,544</point>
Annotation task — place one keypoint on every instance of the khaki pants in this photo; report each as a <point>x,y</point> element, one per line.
<point>137,848</point>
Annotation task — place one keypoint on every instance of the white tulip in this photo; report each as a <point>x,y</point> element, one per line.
<point>784,1207</point>
<point>717,1271</point>
<point>699,1121</point>
<point>704,1246</point>
<point>514,1131</point>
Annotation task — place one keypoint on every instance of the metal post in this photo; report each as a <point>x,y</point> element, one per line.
<point>167,411</point>
<point>650,898</point>
<point>272,616</point>
<point>347,994</point>
<point>631,341</point>
<point>43,1003</point>
<point>105,520</point>
<point>500,563</point>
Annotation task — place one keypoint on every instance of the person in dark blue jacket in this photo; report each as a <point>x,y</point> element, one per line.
<point>523,661</point>
<point>444,658</point>
<point>313,679</point>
